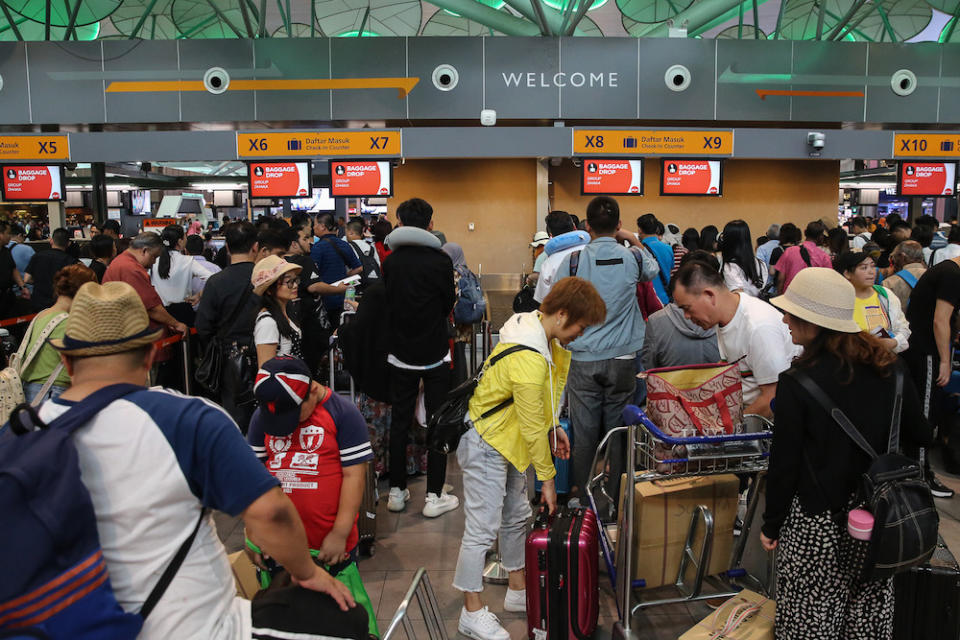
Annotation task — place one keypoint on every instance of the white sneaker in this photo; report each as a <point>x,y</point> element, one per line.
<point>439,505</point>
<point>398,499</point>
<point>515,601</point>
<point>481,625</point>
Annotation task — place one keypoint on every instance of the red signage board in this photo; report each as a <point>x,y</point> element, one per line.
<point>361,178</point>
<point>279,179</point>
<point>32,182</point>
<point>611,176</point>
<point>690,177</point>
<point>927,179</point>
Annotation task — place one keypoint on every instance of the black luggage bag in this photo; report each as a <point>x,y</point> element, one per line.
<point>927,599</point>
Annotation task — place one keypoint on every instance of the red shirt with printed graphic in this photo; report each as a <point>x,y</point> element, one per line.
<point>309,463</point>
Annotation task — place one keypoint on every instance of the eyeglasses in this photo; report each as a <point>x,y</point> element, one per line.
<point>290,282</point>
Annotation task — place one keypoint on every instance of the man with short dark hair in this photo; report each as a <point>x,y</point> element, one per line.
<point>111,228</point>
<point>44,265</point>
<point>334,260</point>
<point>650,230</point>
<point>420,295</point>
<point>132,267</point>
<point>227,312</point>
<point>271,242</point>
<point>749,331</point>
<point>371,268</point>
<point>602,376</point>
<point>9,276</point>
<point>859,232</point>
<point>104,249</point>
<point>21,251</point>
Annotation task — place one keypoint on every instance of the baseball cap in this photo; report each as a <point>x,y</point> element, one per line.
<point>281,386</point>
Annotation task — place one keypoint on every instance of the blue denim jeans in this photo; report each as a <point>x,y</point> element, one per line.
<point>494,501</point>
<point>31,389</point>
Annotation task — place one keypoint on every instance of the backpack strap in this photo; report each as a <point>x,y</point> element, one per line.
<point>494,360</point>
<point>333,243</point>
<point>574,262</point>
<point>171,571</point>
<point>893,444</point>
<point>821,398</point>
<point>805,255</point>
<point>23,363</point>
<point>907,277</point>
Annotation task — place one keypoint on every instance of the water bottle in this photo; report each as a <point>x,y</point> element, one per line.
<point>350,296</point>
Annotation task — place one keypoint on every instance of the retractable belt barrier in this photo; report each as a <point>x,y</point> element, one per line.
<point>9,322</point>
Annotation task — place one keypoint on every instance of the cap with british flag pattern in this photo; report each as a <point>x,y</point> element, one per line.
<point>281,386</point>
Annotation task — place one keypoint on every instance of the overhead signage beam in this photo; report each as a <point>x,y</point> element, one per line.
<point>319,144</point>
<point>645,142</point>
<point>52,147</point>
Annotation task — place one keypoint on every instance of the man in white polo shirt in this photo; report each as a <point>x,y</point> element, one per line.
<point>153,461</point>
<point>749,331</point>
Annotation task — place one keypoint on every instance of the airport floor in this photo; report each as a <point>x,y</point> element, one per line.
<point>407,541</point>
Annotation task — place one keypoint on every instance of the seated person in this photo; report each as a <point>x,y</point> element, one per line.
<point>316,443</point>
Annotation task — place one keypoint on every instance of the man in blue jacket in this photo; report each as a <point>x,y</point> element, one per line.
<point>603,370</point>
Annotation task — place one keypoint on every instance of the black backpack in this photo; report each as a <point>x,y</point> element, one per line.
<point>368,262</point>
<point>892,489</point>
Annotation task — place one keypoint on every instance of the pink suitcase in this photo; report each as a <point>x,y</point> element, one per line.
<point>562,589</point>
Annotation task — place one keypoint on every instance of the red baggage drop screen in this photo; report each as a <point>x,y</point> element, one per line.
<point>32,182</point>
<point>686,177</point>
<point>611,176</point>
<point>279,179</point>
<point>361,178</point>
<point>927,178</point>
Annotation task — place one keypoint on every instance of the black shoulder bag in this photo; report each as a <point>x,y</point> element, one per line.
<point>447,424</point>
<point>905,518</point>
<point>210,370</point>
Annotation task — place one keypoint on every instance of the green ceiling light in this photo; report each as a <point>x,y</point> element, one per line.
<point>354,34</point>
<point>446,23</point>
<point>872,21</point>
<point>63,14</point>
<point>34,31</point>
<point>200,19</point>
<point>561,5</point>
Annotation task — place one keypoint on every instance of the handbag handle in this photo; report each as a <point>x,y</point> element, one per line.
<point>690,413</point>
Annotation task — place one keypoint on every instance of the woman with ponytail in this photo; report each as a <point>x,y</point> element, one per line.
<point>173,274</point>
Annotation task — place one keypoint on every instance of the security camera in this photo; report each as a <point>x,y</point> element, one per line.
<point>445,77</point>
<point>216,80</point>
<point>488,117</point>
<point>816,140</point>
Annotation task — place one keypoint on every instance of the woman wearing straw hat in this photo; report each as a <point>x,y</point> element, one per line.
<point>276,282</point>
<point>815,468</point>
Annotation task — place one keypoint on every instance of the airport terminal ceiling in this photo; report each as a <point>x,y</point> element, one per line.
<point>850,20</point>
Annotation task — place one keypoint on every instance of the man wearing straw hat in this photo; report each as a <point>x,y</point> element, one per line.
<point>154,462</point>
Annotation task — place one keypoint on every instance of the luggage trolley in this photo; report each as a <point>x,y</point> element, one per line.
<point>653,455</point>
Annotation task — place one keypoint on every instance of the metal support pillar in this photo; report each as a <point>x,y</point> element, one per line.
<point>98,202</point>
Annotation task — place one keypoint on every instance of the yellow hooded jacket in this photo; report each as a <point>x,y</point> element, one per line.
<point>535,380</point>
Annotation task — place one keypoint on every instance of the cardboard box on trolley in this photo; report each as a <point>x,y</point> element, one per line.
<point>662,512</point>
<point>757,625</point>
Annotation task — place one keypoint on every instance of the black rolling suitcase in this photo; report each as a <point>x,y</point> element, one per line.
<point>927,599</point>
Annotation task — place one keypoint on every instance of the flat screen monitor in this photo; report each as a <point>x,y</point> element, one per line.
<point>691,177</point>
<point>356,178</point>
<point>320,201</point>
<point>224,199</point>
<point>611,177</point>
<point>930,179</point>
<point>32,182</point>
<point>279,179</point>
<point>140,202</point>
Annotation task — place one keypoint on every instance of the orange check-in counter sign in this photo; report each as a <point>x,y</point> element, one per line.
<point>39,148</point>
<point>628,142</point>
<point>331,144</point>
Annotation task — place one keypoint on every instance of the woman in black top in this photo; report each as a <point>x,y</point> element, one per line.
<point>815,468</point>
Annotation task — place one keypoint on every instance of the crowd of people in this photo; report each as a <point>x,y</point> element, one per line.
<point>846,305</point>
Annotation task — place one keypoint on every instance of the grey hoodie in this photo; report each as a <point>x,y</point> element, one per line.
<point>674,341</point>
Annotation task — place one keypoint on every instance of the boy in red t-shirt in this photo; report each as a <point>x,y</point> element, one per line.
<point>316,443</point>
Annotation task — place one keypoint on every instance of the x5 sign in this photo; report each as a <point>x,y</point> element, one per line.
<point>39,148</point>
<point>629,142</point>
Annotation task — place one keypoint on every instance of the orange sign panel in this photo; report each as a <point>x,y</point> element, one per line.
<point>34,148</point>
<point>314,144</point>
<point>631,142</point>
